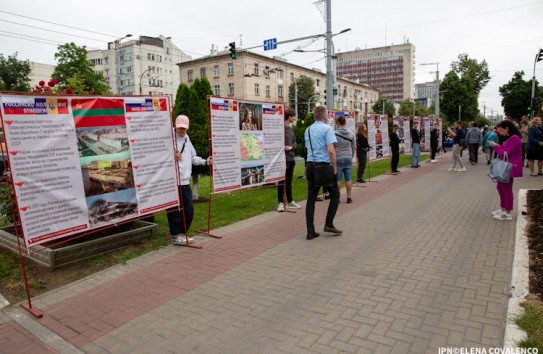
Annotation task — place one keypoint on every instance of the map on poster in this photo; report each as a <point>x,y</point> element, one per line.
<point>247,142</point>
<point>80,163</point>
<point>378,137</point>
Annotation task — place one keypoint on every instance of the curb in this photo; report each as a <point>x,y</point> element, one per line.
<point>519,277</point>
<point>3,302</point>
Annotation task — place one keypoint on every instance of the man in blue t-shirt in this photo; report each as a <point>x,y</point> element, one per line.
<point>319,141</point>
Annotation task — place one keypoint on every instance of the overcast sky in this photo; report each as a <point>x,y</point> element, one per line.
<point>504,33</point>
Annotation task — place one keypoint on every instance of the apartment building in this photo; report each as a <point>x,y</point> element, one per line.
<point>426,92</point>
<point>40,72</point>
<point>144,66</point>
<point>256,77</point>
<point>390,69</point>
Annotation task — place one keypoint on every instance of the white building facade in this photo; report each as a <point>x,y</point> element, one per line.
<point>145,66</point>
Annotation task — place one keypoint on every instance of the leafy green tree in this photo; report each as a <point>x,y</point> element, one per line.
<point>14,74</point>
<point>299,130</point>
<point>406,108</point>
<point>306,90</point>
<point>461,87</point>
<point>390,110</point>
<point>72,62</point>
<point>181,100</point>
<point>516,95</point>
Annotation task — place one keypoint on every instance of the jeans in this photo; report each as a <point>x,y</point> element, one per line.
<point>489,153</point>
<point>473,150</point>
<point>288,183</point>
<point>434,152</point>
<point>415,155</point>
<point>312,192</point>
<point>180,218</point>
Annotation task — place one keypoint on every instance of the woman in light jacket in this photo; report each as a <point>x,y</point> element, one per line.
<point>512,146</point>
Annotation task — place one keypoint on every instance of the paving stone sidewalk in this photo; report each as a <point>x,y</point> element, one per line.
<point>421,265</point>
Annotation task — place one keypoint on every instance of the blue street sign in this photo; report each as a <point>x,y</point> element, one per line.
<point>270,44</point>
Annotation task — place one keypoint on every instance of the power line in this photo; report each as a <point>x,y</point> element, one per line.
<point>26,39</point>
<point>45,29</point>
<point>24,35</point>
<point>58,24</point>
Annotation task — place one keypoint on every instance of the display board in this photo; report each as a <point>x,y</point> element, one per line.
<point>80,163</point>
<point>247,142</point>
<point>378,137</point>
<point>404,133</point>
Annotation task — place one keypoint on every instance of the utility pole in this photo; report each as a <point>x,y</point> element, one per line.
<point>329,73</point>
<point>296,96</point>
<point>383,106</point>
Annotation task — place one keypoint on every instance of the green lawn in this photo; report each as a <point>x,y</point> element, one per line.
<point>531,321</point>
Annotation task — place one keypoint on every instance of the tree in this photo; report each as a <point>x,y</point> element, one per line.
<point>72,62</point>
<point>390,110</point>
<point>14,74</point>
<point>406,108</point>
<point>516,95</point>
<point>299,130</point>
<point>461,87</point>
<point>306,90</point>
<point>181,100</point>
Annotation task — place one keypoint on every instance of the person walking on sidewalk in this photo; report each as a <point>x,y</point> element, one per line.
<point>434,142</point>
<point>458,138</point>
<point>395,149</point>
<point>290,148</point>
<point>490,135</point>
<point>320,141</point>
<point>362,148</point>
<point>512,146</point>
<point>415,144</point>
<point>524,126</point>
<point>534,147</point>
<point>180,218</point>
<point>345,150</point>
<point>473,139</point>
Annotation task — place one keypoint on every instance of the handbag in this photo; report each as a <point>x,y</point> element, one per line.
<point>500,169</point>
<point>323,174</point>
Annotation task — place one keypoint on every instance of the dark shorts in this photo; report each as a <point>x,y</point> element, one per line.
<point>534,154</point>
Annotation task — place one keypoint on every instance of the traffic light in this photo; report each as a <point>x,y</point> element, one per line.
<point>539,56</point>
<point>529,112</point>
<point>233,53</point>
<point>335,91</point>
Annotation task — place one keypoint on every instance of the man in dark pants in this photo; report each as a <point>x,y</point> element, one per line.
<point>434,142</point>
<point>319,141</point>
<point>395,149</point>
<point>290,146</point>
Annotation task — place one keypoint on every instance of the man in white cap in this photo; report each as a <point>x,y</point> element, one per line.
<point>185,155</point>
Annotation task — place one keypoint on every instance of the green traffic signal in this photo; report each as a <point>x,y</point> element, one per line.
<point>233,53</point>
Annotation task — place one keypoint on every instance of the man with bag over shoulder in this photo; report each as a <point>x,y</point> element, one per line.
<point>319,141</point>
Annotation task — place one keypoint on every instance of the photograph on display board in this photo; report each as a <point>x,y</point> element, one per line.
<point>250,115</point>
<point>115,206</point>
<point>252,175</point>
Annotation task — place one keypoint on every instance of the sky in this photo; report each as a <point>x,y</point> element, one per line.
<point>506,34</point>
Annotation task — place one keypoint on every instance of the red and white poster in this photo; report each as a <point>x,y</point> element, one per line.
<point>378,137</point>
<point>75,161</point>
<point>404,133</point>
<point>247,141</point>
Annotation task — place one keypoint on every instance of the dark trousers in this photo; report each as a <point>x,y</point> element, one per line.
<point>312,193</point>
<point>473,149</point>
<point>434,152</point>
<point>394,161</point>
<point>362,160</point>
<point>176,221</point>
<point>289,173</point>
<point>523,153</point>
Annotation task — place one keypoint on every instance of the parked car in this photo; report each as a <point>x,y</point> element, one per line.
<point>447,144</point>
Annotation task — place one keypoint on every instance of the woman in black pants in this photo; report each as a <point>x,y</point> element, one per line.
<point>362,148</point>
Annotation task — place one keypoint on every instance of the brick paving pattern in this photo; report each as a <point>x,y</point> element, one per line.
<point>421,265</point>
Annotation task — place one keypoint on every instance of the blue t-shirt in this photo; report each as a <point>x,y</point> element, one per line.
<point>321,135</point>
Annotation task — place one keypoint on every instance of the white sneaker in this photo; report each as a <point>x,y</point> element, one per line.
<point>451,169</point>
<point>503,216</point>
<point>281,207</point>
<point>293,205</point>
<point>433,161</point>
<point>181,239</point>
<point>463,169</point>
<point>496,212</point>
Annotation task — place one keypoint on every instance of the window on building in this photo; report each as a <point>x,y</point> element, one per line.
<point>189,75</point>
<point>217,90</point>
<point>150,56</point>
<point>159,58</point>
<point>280,91</point>
<point>230,68</point>
<point>129,69</point>
<point>202,72</point>
<point>280,74</point>
<point>231,89</point>
<point>256,69</point>
<point>257,89</point>
<point>216,71</point>
<point>291,76</point>
<point>317,82</point>
<point>268,91</point>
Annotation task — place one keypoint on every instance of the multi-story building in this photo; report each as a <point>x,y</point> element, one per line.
<point>256,77</point>
<point>426,93</point>
<point>146,66</point>
<point>40,72</point>
<point>389,69</point>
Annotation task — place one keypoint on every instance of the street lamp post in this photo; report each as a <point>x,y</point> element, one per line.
<point>141,80</point>
<point>309,103</point>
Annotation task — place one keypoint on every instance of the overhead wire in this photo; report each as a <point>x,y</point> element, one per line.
<point>49,30</point>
